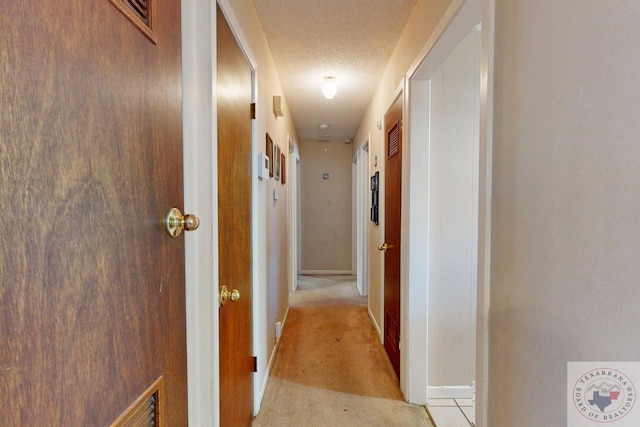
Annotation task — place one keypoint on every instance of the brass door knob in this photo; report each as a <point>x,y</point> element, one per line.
<point>384,247</point>
<point>175,222</point>
<point>227,295</point>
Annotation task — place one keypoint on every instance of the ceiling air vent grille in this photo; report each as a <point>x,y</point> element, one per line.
<point>393,146</point>
<point>141,13</point>
<point>144,411</point>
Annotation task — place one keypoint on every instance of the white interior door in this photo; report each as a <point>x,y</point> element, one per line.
<point>453,221</point>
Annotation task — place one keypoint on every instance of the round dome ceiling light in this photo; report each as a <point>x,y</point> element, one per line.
<point>329,88</point>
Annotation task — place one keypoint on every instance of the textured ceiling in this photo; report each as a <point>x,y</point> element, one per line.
<point>351,40</point>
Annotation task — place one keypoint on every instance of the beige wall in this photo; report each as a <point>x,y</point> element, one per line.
<point>566,185</point>
<point>270,274</point>
<point>325,206</point>
<point>565,223</point>
<point>425,16</point>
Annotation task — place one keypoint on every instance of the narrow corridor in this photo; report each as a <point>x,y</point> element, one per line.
<point>331,369</point>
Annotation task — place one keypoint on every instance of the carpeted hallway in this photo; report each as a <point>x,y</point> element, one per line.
<point>331,369</point>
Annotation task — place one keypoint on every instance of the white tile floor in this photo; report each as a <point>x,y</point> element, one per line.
<point>452,412</point>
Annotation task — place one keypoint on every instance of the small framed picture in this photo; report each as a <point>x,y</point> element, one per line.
<point>276,161</point>
<point>269,151</point>
<point>283,169</point>
<point>375,183</point>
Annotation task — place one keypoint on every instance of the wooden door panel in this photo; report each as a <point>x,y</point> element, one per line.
<point>92,290</point>
<point>392,203</point>
<point>234,84</point>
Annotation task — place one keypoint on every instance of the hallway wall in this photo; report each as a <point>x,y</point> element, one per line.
<point>565,220</point>
<point>325,205</point>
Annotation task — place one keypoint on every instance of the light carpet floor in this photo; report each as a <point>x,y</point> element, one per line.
<point>331,369</point>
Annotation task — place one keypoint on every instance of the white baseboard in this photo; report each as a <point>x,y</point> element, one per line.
<point>272,359</point>
<point>450,392</point>
<point>320,272</point>
<point>375,325</point>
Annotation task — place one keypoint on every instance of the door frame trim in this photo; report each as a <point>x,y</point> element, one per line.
<point>414,376</point>
<point>200,189</point>
<point>292,212</point>
<point>363,192</point>
<point>200,194</point>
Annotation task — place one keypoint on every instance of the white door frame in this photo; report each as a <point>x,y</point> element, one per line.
<point>363,197</point>
<point>459,19</point>
<point>292,211</point>
<point>452,285</point>
<point>201,195</point>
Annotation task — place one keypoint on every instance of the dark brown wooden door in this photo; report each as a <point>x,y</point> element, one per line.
<point>234,227</point>
<point>392,203</point>
<point>92,306</point>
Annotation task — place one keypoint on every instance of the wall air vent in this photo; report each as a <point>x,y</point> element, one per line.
<point>144,411</point>
<point>394,141</point>
<point>141,13</point>
<point>141,8</point>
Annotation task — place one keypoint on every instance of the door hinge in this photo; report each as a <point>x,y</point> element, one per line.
<point>255,364</point>
<point>253,110</point>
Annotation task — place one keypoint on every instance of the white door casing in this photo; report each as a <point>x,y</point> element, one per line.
<point>460,18</point>
<point>453,221</point>
<point>363,215</point>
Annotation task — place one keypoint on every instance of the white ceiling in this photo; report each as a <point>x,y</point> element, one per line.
<point>351,40</point>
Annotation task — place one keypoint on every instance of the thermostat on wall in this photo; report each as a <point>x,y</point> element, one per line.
<point>263,166</point>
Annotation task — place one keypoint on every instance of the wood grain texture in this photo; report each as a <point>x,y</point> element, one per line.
<point>92,291</point>
<point>234,227</point>
<point>392,215</point>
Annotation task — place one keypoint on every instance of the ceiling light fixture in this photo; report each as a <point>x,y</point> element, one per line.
<point>329,89</point>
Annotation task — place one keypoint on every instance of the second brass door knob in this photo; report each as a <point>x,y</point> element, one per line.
<point>227,295</point>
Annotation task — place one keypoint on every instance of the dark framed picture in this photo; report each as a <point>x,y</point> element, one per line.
<point>282,169</point>
<point>269,151</point>
<point>375,184</point>
<point>276,161</point>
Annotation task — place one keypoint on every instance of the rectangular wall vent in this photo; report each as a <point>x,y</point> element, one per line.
<point>394,141</point>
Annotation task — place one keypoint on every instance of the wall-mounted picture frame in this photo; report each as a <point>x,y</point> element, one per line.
<point>276,161</point>
<point>269,151</point>
<point>375,185</point>
<point>283,175</point>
